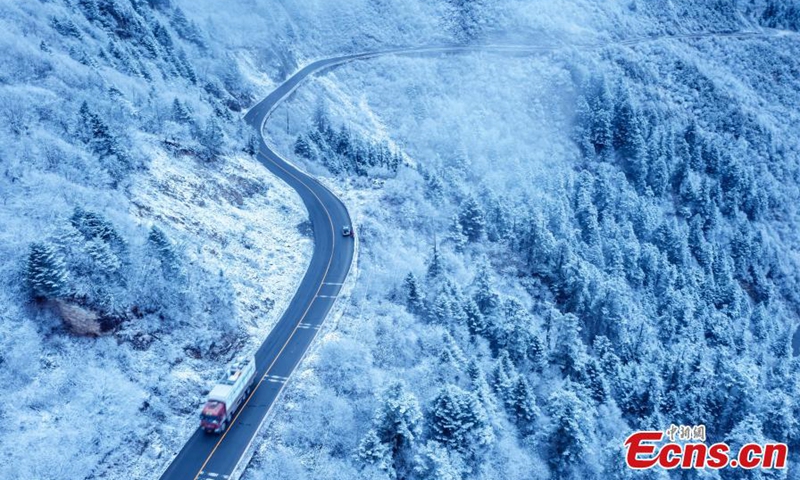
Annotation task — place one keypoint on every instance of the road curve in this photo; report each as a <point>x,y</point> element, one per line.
<point>224,457</point>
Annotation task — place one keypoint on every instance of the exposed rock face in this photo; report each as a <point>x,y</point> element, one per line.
<point>80,320</point>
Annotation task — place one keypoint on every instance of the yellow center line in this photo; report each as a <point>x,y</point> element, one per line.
<point>266,373</point>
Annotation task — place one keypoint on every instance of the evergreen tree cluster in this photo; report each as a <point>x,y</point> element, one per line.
<point>153,41</point>
<point>88,263</point>
<point>654,274</point>
<point>777,14</point>
<point>469,18</point>
<point>342,152</point>
<point>135,31</point>
<point>98,136</point>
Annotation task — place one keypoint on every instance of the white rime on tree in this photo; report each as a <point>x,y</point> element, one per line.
<point>435,267</point>
<point>435,462</point>
<point>395,429</point>
<point>472,219</point>
<point>460,422</point>
<point>46,271</point>
<point>164,251</point>
<point>568,436</point>
<point>212,140</point>
<point>485,297</point>
<point>414,297</point>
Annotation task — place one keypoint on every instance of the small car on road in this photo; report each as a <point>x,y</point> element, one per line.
<point>347,231</point>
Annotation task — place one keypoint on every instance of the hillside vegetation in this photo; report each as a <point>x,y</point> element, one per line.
<point>577,246</point>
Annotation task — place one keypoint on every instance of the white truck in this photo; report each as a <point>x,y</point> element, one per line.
<point>228,395</point>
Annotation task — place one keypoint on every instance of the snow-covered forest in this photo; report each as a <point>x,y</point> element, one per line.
<point>555,250</point>
<point>142,247</point>
<point>576,246</point>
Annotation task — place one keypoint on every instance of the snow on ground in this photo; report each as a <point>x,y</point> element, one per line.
<point>490,126</point>
<point>414,103</point>
<point>243,221</point>
<point>239,219</point>
<point>120,406</point>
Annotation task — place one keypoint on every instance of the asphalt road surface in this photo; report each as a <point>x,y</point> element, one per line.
<point>209,456</point>
<point>221,457</point>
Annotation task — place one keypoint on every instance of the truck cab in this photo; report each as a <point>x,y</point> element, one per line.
<point>214,417</point>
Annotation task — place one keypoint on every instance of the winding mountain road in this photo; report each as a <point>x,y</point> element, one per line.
<point>224,457</point>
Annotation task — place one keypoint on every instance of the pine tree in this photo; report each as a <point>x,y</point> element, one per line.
<point>163,37</point>
<point>164,251</point>
<point>748,430</point>
<point>480,386</point>
<point>591,376</point>
<point>537,245</point>
<point>457,235</point>
<point>253,145</point>
<point>442,308</point>
<point>66,27</point>
<point>569,350</point>
<point>602,112</point>
<point>415,299</point>
<point>221,303</point>
<point>504,378</point>
<point>585,210</point>
<point>537,353</point>
<point>374,452</point>
<point>625,120</point>
<point>658,176</point>
<point>106,262</point>
<point>459,421</point>
<point>760,323</point>
<point>46,271</point>
<point>457,303</point>
<point>185,67</point>
<point>569,431</point>
<point>434,189</point>
<point>95,133</point>
<point>636,159</point>
<point>524,407</point>
<point>724,293</point>
<point>608,361</point>
<point>476,322</point>
<point>397,424</point>
<point>516,333</point>
<point>469,17</point>
<point>186,29</point>
<point>698,245</point>
<point>583,126</point>
<point>302,147</point>
<point>435,267</point>
<point>472,219</point>
<point>180,112</point>
<point>485,296</point>
<point>435,462</point>
<point>212,140</point>
<point>90,10</point>
<point>95,226</point>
